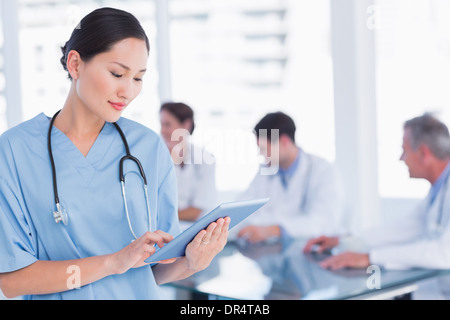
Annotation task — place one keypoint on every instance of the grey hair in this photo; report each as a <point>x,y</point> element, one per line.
<point>427,129</point>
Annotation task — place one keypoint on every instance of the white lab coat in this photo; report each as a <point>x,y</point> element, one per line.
<point>413,240</point>
<point>196,180</point>
<point>311,205</point>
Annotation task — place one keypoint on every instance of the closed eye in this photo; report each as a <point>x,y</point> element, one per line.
<point>116,75</point>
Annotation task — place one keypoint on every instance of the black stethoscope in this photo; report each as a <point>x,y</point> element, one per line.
<point>60,215</point>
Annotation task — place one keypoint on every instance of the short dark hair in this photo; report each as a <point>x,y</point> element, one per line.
<point>429,130</point>
<point>99,31</point>
<point>277,120</point>
<point>181,111</point>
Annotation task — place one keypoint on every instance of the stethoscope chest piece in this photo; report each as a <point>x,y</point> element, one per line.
<point>60,215</point>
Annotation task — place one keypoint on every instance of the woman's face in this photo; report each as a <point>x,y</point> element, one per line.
<point>110,81</point>
<point>169,123</point>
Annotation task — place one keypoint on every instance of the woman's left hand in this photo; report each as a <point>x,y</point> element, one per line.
<point>207,244</point>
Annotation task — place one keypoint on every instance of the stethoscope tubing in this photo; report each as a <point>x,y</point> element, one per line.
<point>439,222</point>
<point>52,161</point>
<point>60,213</point>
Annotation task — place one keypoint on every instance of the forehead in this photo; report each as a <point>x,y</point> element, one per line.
<point>407,138</point>
<point>406,134</point>
<point>167,116</point>
<point>131,52</point>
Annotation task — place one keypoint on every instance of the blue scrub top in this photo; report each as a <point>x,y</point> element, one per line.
<point>89,188</point>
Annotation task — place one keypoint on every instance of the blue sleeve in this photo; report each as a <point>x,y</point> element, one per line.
<point>16,242</point>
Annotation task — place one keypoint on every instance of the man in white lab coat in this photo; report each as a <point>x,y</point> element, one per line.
<point>420,238</point>
<point>305,191</point>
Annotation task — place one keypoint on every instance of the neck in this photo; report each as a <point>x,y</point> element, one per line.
<point>291,155</point>
<point>77,121</point>
<point>437,169</point>
<point>80,125</point>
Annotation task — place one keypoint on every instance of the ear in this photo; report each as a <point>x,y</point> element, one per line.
<point>187,124</point>
<point>425,153</point>
<point>285,140</point>
<point>73,64</point>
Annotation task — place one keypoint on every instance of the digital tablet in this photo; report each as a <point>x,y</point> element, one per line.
<point>237,211</point>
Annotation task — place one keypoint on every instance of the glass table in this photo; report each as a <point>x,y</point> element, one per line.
<point>281,271</point>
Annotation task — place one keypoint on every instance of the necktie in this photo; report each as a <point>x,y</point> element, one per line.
<point>283,179</point>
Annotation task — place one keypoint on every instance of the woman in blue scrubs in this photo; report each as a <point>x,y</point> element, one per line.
<point>94,256</point>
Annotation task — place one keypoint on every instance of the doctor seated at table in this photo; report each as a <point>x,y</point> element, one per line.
<point>305,191</point>
<point>420,238</point>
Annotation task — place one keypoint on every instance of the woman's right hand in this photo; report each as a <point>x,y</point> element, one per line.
<point>47,277</point>
<point>320,244</point>
<point>135,254</point>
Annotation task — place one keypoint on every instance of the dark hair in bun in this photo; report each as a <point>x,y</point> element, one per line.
<point>99,31</point>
